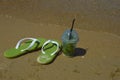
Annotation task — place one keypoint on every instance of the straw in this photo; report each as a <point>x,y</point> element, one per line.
<point>71,29</point>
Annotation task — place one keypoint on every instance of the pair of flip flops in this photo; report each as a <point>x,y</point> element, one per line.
<point>49,49</point>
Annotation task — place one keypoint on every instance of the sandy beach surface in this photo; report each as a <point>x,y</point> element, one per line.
<point>98,51</point>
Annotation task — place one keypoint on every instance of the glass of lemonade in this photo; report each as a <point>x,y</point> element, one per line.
<point>68,44</point>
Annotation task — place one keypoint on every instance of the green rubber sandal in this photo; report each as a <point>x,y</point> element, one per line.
<point>50,50</point>
<point>21,48</point>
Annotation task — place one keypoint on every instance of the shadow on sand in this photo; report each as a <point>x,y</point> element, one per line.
<point>80,52</point>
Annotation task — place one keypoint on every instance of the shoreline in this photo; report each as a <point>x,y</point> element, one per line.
<point>90,15</point>
<point>117,33</point>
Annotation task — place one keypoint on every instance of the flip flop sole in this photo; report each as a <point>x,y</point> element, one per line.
<point>47,57</point>
<point>13,52</point>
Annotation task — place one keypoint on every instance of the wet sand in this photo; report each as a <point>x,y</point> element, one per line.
<point>97,15</point>
<point>98,47</point>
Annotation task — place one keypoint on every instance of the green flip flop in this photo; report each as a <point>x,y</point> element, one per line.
<point>31,44</point>
<point>50,50</point>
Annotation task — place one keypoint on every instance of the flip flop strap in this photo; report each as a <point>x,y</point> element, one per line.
<point>50,41</point>
<point>31,45</point>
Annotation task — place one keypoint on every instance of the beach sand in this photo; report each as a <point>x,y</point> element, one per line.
<point>97,51</point>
